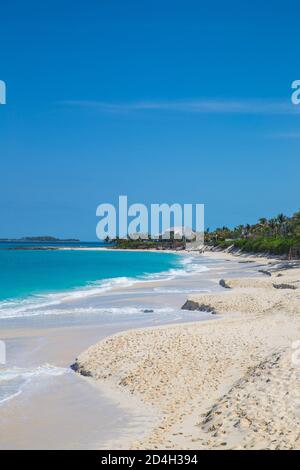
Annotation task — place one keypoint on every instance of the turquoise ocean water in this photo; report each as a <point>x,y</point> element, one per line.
<point>32,274</point>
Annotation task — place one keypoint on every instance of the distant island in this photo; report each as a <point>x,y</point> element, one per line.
<point>44,238</point>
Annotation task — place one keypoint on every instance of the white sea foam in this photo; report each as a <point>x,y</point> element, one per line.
<point>13,381</point>
<point>106,311</point>
<point>33,305</point>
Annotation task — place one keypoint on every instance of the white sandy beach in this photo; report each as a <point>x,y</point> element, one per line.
<point>165,377</point>
<point>228,384</point>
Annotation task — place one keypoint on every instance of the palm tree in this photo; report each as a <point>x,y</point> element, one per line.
<point>247,230</point>
<point>273,226</point>
<point>262,221</point>
<point>262,225</point>
<point>281,222</point>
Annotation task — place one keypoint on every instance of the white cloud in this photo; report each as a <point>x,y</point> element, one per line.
<point>192,106</point>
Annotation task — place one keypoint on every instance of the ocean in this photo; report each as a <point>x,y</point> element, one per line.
<point>42,277</point>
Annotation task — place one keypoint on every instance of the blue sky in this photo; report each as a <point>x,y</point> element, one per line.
<point>165,101</point>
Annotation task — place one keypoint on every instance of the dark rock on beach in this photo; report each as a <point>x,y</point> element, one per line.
<point>222,283</point>
<point>263,271</point>
<point>192,305</point>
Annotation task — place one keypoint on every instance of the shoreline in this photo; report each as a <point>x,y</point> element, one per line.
<point>37,342</point>
<point>252,257</point>
<point>188,372</point>
<point>60,345</point>
<point>207,251</point>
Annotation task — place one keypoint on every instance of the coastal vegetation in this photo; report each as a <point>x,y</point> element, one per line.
<point>279,235</point>
<point>47,238</point>
<point>145,242</point>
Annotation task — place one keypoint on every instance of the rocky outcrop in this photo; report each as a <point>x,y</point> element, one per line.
<point>284,286</point>
<point>223,283</point>
<point>194,305</point>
